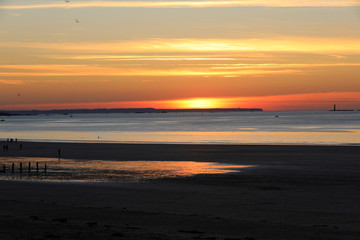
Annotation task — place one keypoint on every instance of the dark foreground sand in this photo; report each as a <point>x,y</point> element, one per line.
<point>294,192</point>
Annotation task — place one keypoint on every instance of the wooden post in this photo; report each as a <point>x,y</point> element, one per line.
<point>59,153</point>
<point>12,167</point>
<point>4,168</point>
<point>37,167</point>
<point>20,167</point>
<point>29,169</point>
<point>45,168</point>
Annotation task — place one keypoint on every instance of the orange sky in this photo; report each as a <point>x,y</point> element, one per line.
<point>275,55</point>
<point>315,101</point>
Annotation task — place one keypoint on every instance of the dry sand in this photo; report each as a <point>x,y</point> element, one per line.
<point>294,192</point>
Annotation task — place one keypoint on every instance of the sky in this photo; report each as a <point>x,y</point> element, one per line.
<point>270,54</point>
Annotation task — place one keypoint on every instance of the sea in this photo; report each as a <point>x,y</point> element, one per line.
<point>267,127</point>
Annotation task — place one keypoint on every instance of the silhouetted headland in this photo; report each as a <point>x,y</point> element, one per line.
<point>124,110</point>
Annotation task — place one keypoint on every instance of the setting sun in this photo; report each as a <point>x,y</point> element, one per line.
<point>200,103</point>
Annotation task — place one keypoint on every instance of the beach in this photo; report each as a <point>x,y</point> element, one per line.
<point>290,192</point>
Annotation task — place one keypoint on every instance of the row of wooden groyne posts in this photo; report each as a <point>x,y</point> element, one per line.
<point>21,169</point>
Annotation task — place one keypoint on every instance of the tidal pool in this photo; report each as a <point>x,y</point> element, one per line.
<point>51,169</point>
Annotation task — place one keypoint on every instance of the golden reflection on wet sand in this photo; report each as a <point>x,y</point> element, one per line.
<point>107,171</point>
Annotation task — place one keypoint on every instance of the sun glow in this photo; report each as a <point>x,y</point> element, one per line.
<point>199,103</point>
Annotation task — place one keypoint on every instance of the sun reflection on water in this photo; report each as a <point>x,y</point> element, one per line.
<point>106,171</point>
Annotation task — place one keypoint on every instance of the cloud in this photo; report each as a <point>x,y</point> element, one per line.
<point>14,14</point>
<point>220,68</point>
<point>335,46</point>
<point>190,4</point>
<point>110,57</point>
<point>11,82</point>
<point>95,70</point>
<point>280,66</point>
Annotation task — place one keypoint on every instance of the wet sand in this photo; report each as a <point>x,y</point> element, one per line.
<point>294,192</point>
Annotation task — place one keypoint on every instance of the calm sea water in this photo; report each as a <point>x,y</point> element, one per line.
<point>296,127</point>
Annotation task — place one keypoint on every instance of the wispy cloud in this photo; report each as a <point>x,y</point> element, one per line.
<point>11,82</point>
<point>334,46</point>
<point>140,57</point>
<point>14,14</point>
<point>189,4</point>
<point>280,66</point>
<point>94,70</point>
<point>218,69</point>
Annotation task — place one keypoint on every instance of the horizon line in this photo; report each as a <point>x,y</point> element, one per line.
<point>94,109</point>
<point>3,111</point>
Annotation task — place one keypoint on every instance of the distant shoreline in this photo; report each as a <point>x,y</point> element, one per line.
<point>124,110</point>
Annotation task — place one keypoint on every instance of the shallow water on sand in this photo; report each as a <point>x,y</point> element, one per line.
<point>105,171</point>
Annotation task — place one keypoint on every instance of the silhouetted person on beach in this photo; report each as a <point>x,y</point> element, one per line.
<point>59,153</point>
